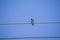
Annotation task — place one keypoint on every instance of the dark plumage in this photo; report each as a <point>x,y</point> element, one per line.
<point>32,21</point>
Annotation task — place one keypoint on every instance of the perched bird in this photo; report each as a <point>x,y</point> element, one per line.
<point>32,21</point>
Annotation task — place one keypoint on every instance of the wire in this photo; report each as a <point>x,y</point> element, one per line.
<point>29,23</point>
<point>33,37</point>
<point>48,23</point>
<point>13,23</point>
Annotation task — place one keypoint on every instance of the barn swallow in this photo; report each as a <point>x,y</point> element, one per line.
<point>32,21</point>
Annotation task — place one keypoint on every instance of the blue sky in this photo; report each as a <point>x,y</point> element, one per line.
<point>23,11</point>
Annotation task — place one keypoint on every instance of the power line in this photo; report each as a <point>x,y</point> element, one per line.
<point>33,37</point>
<point>29,23</point>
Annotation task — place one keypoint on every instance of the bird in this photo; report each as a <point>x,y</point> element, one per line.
<point>32,21</point>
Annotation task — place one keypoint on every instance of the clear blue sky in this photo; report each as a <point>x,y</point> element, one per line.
<point>23,11</point>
